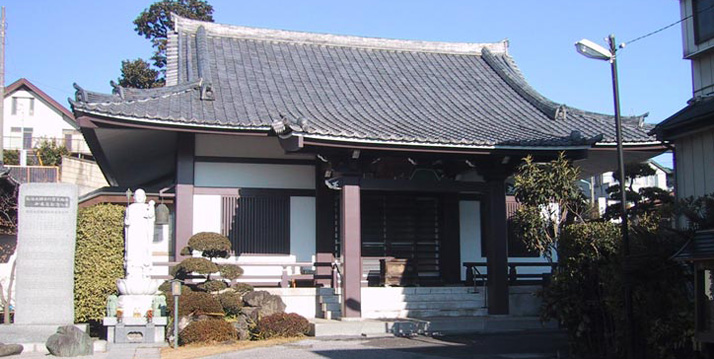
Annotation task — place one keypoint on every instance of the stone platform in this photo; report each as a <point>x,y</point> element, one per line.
<point>135,330</point>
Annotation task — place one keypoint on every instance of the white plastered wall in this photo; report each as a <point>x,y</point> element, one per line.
<point>471,237</point>
<point>254,175</point>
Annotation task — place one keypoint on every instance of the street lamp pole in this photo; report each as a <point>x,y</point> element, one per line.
<point>589,49</point>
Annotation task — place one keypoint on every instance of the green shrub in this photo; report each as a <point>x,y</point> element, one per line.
<point>242,288</point>
<point>196,303</point>
<point>191,265</point>
<point>230,271</point>
<point>165,287</point>
<point>11,157</point>
<point>208,331</point>
<point>212,285</point>
<point>99,259</point>
<point>232,302</point>
<point>282,325</point>
<point>211,245</point>
<point>50,153</point>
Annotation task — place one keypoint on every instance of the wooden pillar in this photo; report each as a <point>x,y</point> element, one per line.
<point>450,246</point>
<point>325,229</point>
<point>497,246</point>
<point>185,150</point>
<point>350,232</point>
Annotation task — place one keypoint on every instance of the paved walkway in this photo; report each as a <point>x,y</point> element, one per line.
<point>116,351</point>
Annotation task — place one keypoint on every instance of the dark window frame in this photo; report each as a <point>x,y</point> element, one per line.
<point>703,30</point>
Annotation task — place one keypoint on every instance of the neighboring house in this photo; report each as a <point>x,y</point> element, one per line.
<point>343,151</point>
<point>663,178</point>
<point>31,115</point>
<point>691,130</point>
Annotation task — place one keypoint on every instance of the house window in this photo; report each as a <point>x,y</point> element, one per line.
<point>257,225</point>
<point>16,129</point>
<point>22,106</point>
<point>703,20</point>
<point>27,138</point>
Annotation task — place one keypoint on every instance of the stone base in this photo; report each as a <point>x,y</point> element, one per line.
<point>31,336</point>
<point>135,330</point>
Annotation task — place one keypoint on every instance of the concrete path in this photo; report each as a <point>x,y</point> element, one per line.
<point>521,345</point>
<point>116,351</point>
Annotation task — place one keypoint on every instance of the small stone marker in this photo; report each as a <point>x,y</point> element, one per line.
<point>47,230</point>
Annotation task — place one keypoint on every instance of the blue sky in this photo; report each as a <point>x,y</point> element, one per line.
<point>56,43</point>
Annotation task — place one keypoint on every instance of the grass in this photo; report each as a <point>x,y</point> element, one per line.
<point>203,350</point>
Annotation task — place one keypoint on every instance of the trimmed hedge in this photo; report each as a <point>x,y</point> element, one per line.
<point>210,244</point>
<point>208,331</point>
<point>232,302</point>
<point>195,302</point>
<point>190,265</point>
<point>98,260</point>
<point>282,325</point>
<point>212,285</point>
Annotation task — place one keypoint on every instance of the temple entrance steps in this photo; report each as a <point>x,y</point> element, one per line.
<point>329,303</point>
<point>421,302</point>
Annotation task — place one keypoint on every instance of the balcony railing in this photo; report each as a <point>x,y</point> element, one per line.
<point>74,144</point>
<point>34,174</point>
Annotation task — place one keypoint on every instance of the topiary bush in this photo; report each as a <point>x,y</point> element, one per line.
<point>230,271</point>
<point>195,303</point>
<point>211,245</point>
<point>98,260</point>
<point>212,285</point>
<point>242,288</point>
<point>191,265</point>
<point>208,331</point>
<point>282,325</point>
<point>232,302</point>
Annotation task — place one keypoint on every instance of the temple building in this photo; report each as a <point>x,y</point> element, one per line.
<point>337,152</point>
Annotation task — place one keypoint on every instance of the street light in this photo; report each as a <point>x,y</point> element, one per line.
<point>592,50</point>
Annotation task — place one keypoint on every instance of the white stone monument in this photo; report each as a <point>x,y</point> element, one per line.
<point>138,291</point>
<point>47,231</point>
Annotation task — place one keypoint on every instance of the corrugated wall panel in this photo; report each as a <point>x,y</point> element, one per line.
<point>257,225</point>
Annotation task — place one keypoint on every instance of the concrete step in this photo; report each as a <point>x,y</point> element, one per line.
<point>436,325</point>
<point>439,297</point>
<point>332,307</point>
<point>325,291</point>
<point>472,304</point>
<point>329,299</point>
<point>425,313</point>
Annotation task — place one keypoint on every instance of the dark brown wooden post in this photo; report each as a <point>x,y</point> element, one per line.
<point>350,228</point>
<point>186,144</point>
<point>325,229</point>
<point>450,246</point>
<point>497,246</point>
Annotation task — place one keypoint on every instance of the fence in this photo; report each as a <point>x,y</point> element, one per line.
<point>34,174</point>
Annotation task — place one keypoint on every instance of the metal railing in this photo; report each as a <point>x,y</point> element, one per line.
<point>473,275</point>
<point>75,144</point>
<point>34,174</point>
<point>285,279</point>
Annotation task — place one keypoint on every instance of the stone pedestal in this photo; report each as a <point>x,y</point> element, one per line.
<point>135,330</point>
<point>131,304</point>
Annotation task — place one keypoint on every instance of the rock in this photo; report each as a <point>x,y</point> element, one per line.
<point>269,304</point>
<point>251,313</point>
<point>242,325</point>
<point>69,341</point>
<point>10,349</point>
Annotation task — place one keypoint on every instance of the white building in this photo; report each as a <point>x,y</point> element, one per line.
<point>30,115</point>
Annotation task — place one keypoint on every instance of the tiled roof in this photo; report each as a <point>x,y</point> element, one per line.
<point>696,114</point>
<point>344,88</point>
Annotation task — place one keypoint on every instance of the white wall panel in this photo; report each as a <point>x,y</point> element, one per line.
<point>302,228</point>
<point>470,232</point>
<point>253,175</point>
<point>206,213</point>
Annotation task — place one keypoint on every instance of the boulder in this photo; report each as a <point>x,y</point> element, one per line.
<point>250,313</point>
<point>10,349</point>
<point>267,303</point>
<point>69,341</point>
<point>243,325</point>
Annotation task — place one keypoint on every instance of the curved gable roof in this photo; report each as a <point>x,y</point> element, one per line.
<point>354,89</point>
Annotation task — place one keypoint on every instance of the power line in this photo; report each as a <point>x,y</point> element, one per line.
<point>670,25</point>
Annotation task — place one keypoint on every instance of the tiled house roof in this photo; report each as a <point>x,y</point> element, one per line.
<point>353,89</point>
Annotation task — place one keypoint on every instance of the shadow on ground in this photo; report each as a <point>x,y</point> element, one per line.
<point>521,345</point>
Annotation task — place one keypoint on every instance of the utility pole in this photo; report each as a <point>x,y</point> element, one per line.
<point>2,82</point>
